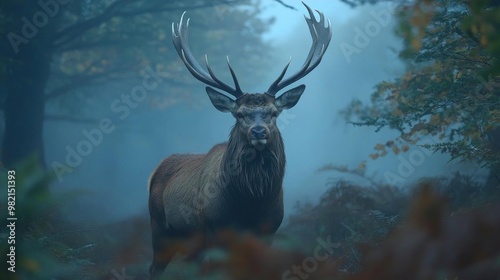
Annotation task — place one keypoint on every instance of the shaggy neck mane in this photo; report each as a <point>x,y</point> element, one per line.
<point>249,174</point>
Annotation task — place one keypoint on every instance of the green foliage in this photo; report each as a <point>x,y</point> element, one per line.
<point>434,244</point>
<point>450,90</point>
<point>49,246</point>
<point>359,217</point>
<point>34,210</point>
<point>352,215</point>
<point>366,223</point>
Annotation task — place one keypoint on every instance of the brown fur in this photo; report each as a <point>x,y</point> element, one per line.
<point>237,185</point>
<point>233,186</point>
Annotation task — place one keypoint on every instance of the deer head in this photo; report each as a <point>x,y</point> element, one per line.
<point>255,113</point>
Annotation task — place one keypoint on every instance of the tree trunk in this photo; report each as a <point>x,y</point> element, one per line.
<point>28,51</point>
<point>494,176</point>
<point>24,105</point>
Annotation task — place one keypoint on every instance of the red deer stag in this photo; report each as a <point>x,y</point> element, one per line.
<point>241,180</point>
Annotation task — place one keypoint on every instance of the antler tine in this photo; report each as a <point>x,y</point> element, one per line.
<point>235,80</point>
<point>180,38</point>
<point>321,36</point>
<point>275,83</point>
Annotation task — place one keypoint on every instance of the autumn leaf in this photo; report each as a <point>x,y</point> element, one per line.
<point>379,147</point>
<point>362,166</point>
<point>395,149</point>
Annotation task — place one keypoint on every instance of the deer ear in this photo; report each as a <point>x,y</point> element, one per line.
<point>220,101</point>
<point>288,99</point>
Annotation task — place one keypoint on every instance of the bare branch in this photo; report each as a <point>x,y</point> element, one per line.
<point>118,9</point>
<point>85,80</point>
<point>73,119</point>
<point>70,33</point>
<point>286,5</point>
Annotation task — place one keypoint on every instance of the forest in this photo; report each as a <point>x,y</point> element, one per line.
<point>392,152</point>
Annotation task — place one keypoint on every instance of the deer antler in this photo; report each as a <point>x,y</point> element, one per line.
<point>321,37</point>
<point>180,38</point>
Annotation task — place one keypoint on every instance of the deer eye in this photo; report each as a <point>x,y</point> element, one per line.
<point>239,115</point>
<point>274,114</point>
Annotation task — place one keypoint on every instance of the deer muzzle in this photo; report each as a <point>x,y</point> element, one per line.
<point>259,135</point>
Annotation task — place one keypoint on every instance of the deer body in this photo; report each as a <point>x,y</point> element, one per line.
<point>232,186</point>
<point>238,184</point>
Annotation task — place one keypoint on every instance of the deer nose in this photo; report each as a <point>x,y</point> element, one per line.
<point>259,132</point>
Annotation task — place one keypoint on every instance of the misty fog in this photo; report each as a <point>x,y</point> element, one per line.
<point>392,152</point>
<point>113,177</point>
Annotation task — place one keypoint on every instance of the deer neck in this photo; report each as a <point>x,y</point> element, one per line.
<point>251,174</point>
